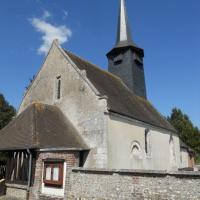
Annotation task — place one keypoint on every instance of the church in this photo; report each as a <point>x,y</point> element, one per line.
<point>74,114</point>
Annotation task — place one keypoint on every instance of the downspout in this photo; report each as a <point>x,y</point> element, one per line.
<point>29,173</point>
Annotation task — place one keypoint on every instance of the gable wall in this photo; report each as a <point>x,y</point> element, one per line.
<point>78,102</point>
<point>122,134</point>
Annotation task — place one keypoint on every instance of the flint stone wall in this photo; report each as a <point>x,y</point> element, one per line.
<point>91,184</point>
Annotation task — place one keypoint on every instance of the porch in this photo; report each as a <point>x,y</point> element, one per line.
<point>40,144</point>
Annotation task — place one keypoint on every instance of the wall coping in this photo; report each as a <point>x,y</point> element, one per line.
<point>17,186</point>
<point>154,173</point>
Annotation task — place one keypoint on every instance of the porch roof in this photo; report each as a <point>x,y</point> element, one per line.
<point>41,126</point>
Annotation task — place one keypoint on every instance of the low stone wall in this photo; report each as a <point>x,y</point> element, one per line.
<point>15,191</point>
<point>91,184</point>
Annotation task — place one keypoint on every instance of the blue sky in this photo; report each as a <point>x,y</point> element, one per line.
<point>169,32</point>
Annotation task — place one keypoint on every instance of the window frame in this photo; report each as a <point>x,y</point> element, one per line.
<point>52,165</point>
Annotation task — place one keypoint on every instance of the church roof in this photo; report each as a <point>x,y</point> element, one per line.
<point>39,127</point>
<point>120,99</point>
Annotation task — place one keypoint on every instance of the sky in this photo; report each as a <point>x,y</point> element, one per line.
<point>167,30</point>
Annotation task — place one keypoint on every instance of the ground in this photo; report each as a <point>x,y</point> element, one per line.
<point>7,198</point>
<point>4,198</point>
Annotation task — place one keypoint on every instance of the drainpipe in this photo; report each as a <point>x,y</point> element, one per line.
<point>29,174</point>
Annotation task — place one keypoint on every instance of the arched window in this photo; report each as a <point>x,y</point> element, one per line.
<point>172,151</point>
<point>135,149</point>
<point>147,142</point>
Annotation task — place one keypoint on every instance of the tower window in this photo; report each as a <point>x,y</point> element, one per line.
<point>172,151</point>
<point>118,62</point>
<point>58,87</point>
<point>138,61</point>
<point>139,64</point>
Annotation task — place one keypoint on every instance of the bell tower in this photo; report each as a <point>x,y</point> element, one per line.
<point>125,60</point>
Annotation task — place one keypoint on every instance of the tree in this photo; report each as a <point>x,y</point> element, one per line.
<point>187,132</point>
<point>7,112</point>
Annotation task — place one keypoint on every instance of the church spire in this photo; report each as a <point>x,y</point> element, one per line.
<point>125,60</point>
<point>124,37</point>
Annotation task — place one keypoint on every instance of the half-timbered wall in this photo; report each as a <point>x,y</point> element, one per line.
<point>2,169</point>
<point>17,167</point>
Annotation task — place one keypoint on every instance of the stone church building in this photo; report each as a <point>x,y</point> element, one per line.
<point>75,114</point>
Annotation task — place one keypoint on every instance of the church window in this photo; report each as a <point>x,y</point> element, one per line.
<point>172,151</point>
<point>53,173</point>
<point>118,60</point>
<point>147,141</point>
<point>139,64</point>
<point>138,61</point>
<point>58,87</point>
<point>135,149</point>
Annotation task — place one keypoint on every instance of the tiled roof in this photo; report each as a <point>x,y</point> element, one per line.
<point>38,127</point>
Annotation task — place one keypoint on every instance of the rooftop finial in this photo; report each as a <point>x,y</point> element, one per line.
<point>124,34</point>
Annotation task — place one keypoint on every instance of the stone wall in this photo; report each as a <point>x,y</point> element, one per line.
<point>16,191</point>
<point>91,184</point>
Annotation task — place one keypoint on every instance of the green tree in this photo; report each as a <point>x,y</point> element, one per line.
<point>7,112</point>
<point>188,133</point>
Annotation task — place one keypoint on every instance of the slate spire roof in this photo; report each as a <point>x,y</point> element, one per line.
<point>124,37</point>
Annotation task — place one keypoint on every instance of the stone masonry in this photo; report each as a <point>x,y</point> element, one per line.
<point>104,184</point>
<point>137,185</point>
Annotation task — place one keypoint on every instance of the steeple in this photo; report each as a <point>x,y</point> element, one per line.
<point>125,60</point>
<point>124,37</point>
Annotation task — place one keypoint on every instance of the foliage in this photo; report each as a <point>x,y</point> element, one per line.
<point>7,112</point>
<point>188,133</point>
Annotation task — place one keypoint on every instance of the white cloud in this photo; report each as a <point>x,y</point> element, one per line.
<point>50,32</point>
